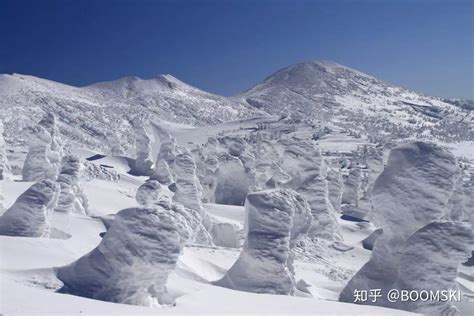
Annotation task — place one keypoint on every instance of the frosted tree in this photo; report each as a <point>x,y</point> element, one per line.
<point>303,162</point>
<point>352,187</point>
<point>143,162</point>
<point>430,262</point>
<point>56,151</point>
<point>37,165</point>
<point>275,220</point>
<point>335,188</point>
<point>165,160</point>
<point>132,263</point>
<point>4,165</point>
<point>30,215</point>
<point>187,190</point>
<point>151,194</point>
<point>411,193</point>
<point>72,197</point>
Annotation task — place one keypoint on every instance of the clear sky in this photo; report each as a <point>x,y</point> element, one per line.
<point>226,46</point>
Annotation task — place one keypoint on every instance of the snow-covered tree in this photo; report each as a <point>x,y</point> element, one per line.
<point>410,194</point>
<point>275,220</point>
<point>72,197</point>
<point>143,163</point>
<point>30,215</point>
<point>37,165</point>
<point>132,263</point>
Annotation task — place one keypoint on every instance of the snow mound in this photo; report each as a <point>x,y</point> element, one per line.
<point>132,263</point>
<point>30,215</point>
<point>276,219</point>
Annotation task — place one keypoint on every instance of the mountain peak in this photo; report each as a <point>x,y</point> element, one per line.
<point>310,71</point>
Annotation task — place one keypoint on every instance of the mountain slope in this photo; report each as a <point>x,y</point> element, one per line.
<point>328,91</point>
<point>99,114</point>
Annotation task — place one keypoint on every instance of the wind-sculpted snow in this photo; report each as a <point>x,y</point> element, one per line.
<point>275,220</point>
<point>143,165</point>
<point>411,192</point>
<point>30,215</point>
<point>430,261</point>
<point>37,165</point>
<point>132,263</point>
<point>72,197</point>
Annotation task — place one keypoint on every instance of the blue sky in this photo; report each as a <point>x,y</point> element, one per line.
<point>227,46</point>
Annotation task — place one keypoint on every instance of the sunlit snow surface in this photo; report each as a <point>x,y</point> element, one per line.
<point>29,282</point>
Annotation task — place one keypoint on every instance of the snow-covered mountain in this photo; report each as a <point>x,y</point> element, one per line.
<point>331,92</point>
<point>99,114</point>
